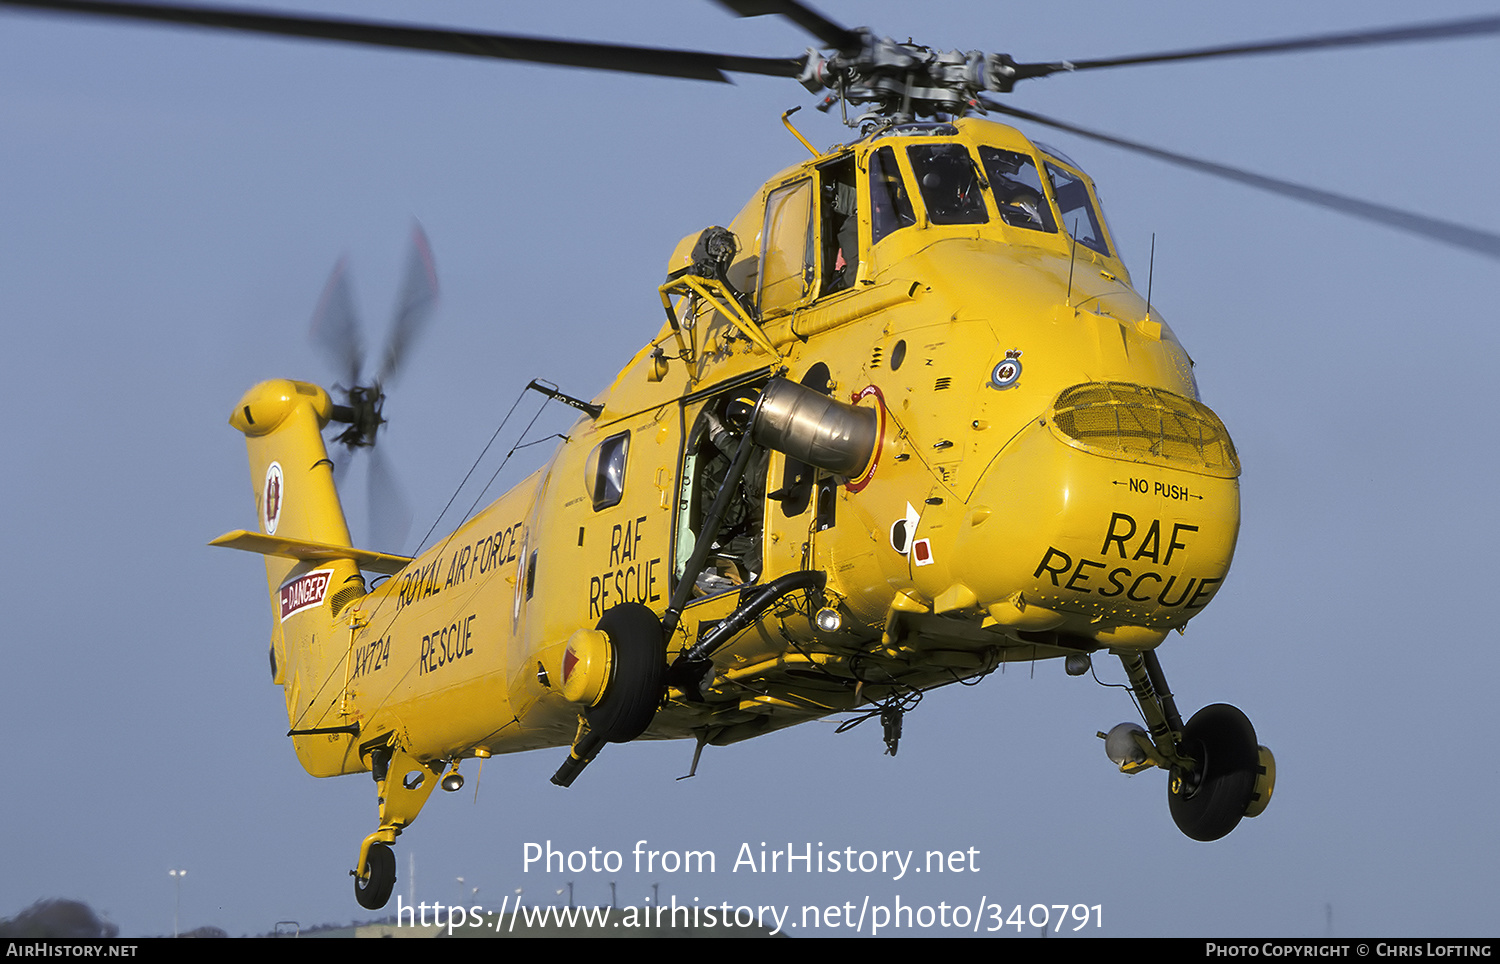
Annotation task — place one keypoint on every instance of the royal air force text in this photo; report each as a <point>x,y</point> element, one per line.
<point>466,562</point>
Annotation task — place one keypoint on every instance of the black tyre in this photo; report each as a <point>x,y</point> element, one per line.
<point>1209,802</point>
<point>637,677</point>
<point>374,890</point>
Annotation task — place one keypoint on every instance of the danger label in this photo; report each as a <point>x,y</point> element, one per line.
<point>304,592</point>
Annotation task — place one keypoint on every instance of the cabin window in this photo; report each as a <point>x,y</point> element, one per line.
<point>1080,217</point>
<point>786,254</point>
<point>1018,189</point>
<point>890,205</point>
<point>607,471</point>
<point>949,183</point>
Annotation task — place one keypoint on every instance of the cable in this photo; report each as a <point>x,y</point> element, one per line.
<point>334,672</point>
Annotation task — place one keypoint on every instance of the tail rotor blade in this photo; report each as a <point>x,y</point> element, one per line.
<point>390,512</point>
<point>419,294</point>
<point>336,329</point>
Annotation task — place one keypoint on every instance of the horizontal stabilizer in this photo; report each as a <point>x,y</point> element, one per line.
<point>306,551</point>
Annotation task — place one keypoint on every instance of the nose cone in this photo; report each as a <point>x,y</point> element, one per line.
<point>1111,518</point>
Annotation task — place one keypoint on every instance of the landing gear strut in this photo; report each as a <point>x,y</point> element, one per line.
<point>402,785</point>
<point>637,680</point>
<point>1219,773</point>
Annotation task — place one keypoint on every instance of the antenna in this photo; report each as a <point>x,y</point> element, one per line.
<point>1150,273</point>
<point>1072,257</point>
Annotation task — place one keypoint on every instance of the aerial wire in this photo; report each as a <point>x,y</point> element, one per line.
<point>381,604</point>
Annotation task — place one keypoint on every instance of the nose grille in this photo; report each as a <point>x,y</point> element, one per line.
<point>1142,424</point>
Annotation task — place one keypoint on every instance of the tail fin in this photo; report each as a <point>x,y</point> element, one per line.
<point>283,423</point>
<point>311,572</point>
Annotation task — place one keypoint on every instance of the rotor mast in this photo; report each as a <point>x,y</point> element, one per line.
<point>904,82</point>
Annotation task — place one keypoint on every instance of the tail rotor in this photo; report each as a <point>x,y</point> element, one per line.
<point>359,404</point>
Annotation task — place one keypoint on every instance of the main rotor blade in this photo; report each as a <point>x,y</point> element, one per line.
<point>1446,30</point>
<point>419,294</point>
<point>833,35</point>
<point>335,327</point>
<point>660,62</point>
<point>1458,235</point>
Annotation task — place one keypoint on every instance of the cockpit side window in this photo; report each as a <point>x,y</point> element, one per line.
<point>890,205</point>
<point>840,222</point>
<point>1080,218</point>
<point>1018,189</point>
<point>949,183</point>
<point>787,255</point>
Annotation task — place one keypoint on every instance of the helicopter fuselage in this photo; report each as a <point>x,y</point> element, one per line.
<point>1043,482</point>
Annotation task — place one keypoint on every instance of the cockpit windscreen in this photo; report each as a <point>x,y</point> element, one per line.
<point>1080,219</point>
<point>949,183</point>
<point>1018,189</point>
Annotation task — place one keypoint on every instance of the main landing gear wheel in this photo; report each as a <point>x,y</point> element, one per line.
<point>374,889</point>
<point>637,677</point>
<point>1208,801</point>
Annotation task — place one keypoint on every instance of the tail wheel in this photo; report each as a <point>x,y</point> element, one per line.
<point>1208,801</point>
<point>374,889</point>
<point>638,676</point>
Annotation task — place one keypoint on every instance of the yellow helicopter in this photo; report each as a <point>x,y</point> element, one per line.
<point>906,419</point>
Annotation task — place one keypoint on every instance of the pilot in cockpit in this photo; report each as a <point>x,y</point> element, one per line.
<point>949,183</point>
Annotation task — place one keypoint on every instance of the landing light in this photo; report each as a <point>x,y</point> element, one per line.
<point>828,619</point>
<point>1122,747</point>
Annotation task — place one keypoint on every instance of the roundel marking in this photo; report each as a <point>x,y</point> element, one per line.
<point>272,498</point>
<point>1005,373</point>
